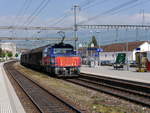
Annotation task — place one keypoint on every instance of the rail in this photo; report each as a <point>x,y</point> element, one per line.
<point>45,101</point>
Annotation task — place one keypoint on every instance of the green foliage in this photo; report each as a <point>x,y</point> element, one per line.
<point>94,41</point>
<point>3,54</point>
<point>9,54</point>
<point>1,51</point>
<point>16,55</point>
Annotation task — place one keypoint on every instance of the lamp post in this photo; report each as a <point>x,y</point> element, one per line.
<point>99,60</point>
<point>79,52</point>
<point>92,45</point>
<point>86,52</point>
<point>127,52</point>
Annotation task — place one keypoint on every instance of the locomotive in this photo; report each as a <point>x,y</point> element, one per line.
<point>57,59</point>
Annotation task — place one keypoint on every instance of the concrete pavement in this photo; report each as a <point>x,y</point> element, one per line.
<point>9,102</point>
<point>122,74</point>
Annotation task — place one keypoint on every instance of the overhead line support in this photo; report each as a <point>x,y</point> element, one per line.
<point>75,7</point>
<point>113,26</point>
<point>26,39</point>
<point>34,28</point>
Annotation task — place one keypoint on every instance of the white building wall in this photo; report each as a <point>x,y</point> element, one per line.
<point>148,56</point>
<point>9,47</point>
<point>107,56</point>
<point>131,54</point>
<point>143,48</point>
<point>111,56</point>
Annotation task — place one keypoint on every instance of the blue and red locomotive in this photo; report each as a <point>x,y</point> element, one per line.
<point>57,59</point>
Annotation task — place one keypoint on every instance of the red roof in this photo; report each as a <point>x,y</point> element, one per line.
<point>122,46</point>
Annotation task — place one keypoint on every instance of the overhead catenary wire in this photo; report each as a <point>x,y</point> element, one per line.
<point>94,3</point>
<point>36,12</point>
<point>40,10</point>
<point>20,11</point>
<point>29,17</point>
<point>100,2</point>
<point>64,16</point>
<point>110,10</point>
<point>87,3</point>
<point>132,6</point>
<point>18,16</point>
<point>60,19</point>
<point>26,8</point>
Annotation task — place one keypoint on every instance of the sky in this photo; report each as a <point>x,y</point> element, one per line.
<point>60,13</point>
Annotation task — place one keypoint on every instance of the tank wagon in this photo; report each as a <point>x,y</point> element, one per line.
<point>56,59</point>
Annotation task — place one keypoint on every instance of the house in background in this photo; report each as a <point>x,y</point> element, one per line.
<point>9,47</point>
<point>110,51</point>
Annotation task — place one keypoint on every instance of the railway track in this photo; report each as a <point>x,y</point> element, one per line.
<point>136,92</point>
<point>45,101</point>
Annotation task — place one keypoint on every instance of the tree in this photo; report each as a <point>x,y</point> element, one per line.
<point>9,54</point>
<point>3,54</point>
<point>1,51</point>
<point>94,41</point>
<point>16,55</point>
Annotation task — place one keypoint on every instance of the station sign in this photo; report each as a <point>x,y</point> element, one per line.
<point>99,50</point>
<point>138,49</point>
<point>95,49</point>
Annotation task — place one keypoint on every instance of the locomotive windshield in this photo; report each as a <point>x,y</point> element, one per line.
<point>63,50</point>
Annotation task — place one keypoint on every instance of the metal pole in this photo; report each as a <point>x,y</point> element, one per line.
<point>137,33</point>
<point>116,35</point>
<point>127,53</point>
<point>99,62</point>
<point>99,59</point>
<point>75,24</point>
<point>143,17</point>
<point>87,53</point>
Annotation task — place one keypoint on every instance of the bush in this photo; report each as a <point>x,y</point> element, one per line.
<point>16,55</point>
<point>9,54</point>
<point>3,54</point>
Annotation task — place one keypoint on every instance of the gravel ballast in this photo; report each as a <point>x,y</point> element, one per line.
<point>88,100</point>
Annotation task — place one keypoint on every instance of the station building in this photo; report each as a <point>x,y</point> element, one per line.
<point>110,51</point>
<point>9,47</point>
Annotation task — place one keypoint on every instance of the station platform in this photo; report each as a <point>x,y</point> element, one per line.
<point>9,102</point>
<point>109,71</point>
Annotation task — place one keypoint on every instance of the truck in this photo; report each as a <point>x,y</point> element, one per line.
<point>120,61</point>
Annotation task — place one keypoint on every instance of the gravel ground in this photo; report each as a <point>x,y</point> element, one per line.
<point>89,100</point>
